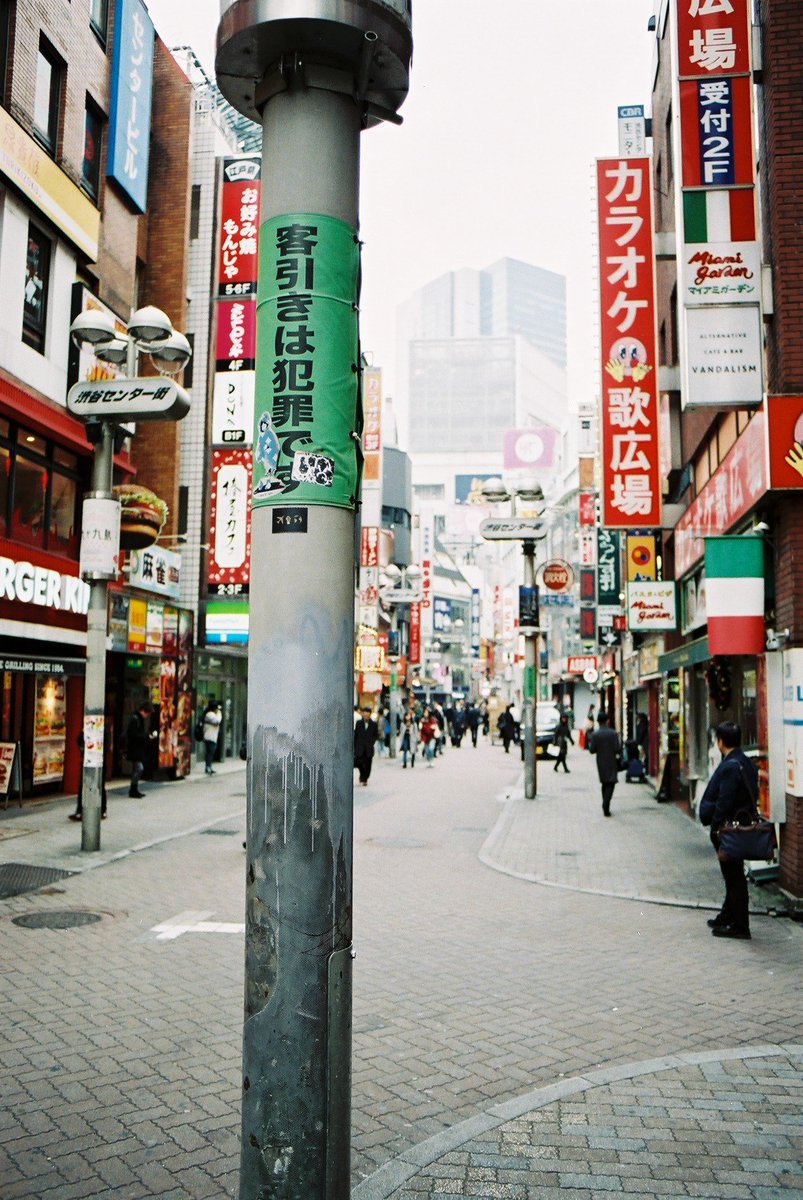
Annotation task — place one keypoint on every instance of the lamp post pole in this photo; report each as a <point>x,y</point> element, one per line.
<point>315,75</point>
<point>115,402</point>
<point>394,682</point>
<point>95,683</point>
<point>530,687</point>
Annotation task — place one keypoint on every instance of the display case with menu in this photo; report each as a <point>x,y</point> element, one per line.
<point>50,718</point>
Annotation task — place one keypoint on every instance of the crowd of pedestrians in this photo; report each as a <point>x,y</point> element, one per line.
<point>422,731</point>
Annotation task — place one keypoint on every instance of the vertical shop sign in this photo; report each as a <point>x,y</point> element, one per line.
<point>137,625</point>
<point>719,254</point>
<point>476,640</point>
<point>307,418</point>
<point>415,633</point>
<point>631,492</point>
<point>609,567</point>
<point>233,408</point>
<point>369,547</point>
<point>230,523</point>
<point>239,227</point>
<point>372,428</point>
<point>588,508</point>
<point>130,110</point>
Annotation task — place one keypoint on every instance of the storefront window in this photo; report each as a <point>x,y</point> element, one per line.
<point>28,509</point>
<point>5,476</point>
<point>62,528</point>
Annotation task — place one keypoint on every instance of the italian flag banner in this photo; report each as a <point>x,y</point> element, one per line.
<point>719,216</point>
<point>734,594</point>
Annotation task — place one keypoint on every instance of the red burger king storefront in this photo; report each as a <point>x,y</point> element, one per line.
<point>42,666</point>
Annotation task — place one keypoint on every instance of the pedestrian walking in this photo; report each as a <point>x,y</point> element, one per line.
<point>138,736</point>
<point>642,738</point>
<point>561,737</point>
<point>732,790</point>
<point>78,815</point>
<point>429,735</point>
<point>473,721</point>
<point>409,740</point>
<point>605,744</point>
<point>440,720</point>
<point>212,719</point>
<point>584,736</point>
<point>365,735</point>
<point>507,727</point>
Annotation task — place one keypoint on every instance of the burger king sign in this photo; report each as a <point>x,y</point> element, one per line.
<point>556,577</point>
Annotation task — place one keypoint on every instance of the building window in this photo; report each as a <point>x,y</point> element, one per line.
<point>93,139</point>
<point>47,97</point>
<point>37,280</point>
<point>195,212</point>
<point>5,45</point>
<point>99,18</point>
<point>40,491</point>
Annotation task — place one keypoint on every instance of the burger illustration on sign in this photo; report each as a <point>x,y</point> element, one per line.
<point>142,516</point>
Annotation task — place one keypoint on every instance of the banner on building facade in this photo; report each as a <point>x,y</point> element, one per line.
<point>734,588</point>
<point>631,489</point>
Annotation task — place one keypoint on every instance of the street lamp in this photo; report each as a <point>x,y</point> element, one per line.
<point>106,409</point>
<point>531,492</point>
<point>399,585</point>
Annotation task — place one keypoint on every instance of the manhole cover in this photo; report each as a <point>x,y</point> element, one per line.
<point>17,878</point>
<point>221,832</point>
<point>68,919</point>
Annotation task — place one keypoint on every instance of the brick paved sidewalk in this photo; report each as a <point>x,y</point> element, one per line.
<point>648,851</point>
<point>719,1125</point>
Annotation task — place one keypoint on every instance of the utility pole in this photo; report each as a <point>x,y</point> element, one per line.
<point>530,689</point>
<point>315,73</point>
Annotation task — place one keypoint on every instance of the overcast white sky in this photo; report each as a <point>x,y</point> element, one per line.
<point>510,103</point>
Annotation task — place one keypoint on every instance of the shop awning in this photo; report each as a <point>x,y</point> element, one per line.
<point>685,656</point>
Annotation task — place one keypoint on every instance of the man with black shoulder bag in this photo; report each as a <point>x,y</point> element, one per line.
<point>731,798</point>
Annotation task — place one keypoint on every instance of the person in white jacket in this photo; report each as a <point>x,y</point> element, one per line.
<point>212,718</point>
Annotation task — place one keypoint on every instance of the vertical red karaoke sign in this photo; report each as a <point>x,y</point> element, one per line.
<point>631,491</point>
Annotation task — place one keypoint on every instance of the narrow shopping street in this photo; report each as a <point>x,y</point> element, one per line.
<point>506,1031</point>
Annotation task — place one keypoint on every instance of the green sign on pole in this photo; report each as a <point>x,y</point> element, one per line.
<point>307,416</point>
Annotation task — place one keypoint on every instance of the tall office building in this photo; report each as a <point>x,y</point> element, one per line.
<point>480,353</point>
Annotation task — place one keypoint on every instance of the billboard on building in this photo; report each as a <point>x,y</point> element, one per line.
<point>239,227</point>
<point>130,109</point>
<point>631,485</point>
<point>719,255</point>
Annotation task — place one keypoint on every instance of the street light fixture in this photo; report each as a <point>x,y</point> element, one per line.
<point>530,492</point>
<point>401,586</point>
<point>149,331</point>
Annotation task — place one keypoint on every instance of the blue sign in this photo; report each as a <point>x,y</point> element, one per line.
<point>475,624</point>
<point>441,614</point>
<point>717,135</point>
<point>132,86</point>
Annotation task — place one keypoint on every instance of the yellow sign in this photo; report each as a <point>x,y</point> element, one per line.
<point>641,558</point>
<point>25,164</point>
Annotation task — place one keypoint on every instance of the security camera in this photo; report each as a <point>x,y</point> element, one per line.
<point>777,639</point>
<point>761,527</point>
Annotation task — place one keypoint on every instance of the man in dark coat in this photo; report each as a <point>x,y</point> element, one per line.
<point>138,734</point>
<point>365,735</point>
<point>606,745</point>
<point>731,789</point>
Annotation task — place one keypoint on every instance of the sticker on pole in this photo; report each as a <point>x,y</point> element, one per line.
<point>307,418</point>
